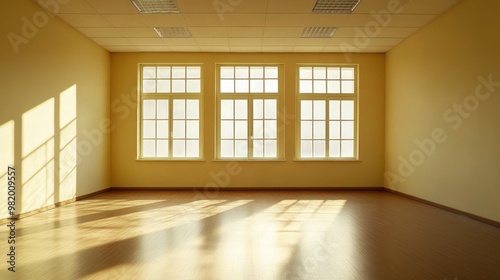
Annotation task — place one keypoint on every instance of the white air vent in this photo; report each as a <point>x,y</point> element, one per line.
<point>335,6</point>
<point>173,32</point>
<point>317,32</point>
<point>156,6</point>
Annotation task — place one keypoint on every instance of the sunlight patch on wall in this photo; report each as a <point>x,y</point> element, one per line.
<point>67,144</point>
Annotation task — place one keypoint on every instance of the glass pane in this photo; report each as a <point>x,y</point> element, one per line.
<point>271,86</point>
<point>334,130</point>
<point>348,130</point>
<point>163,72</point>
<point>162,109</point>
<point>226,109</point>
<point>163,86</point>
<point>306,86</point>
<point>192,148</point>
<point>256,86</point>
<point>271,72</point>
<point>306,130</point>
<point>319,73</point>
<point>240,148</point>
<point>256,72</point>
<point>258,129</point>
<point>320,86</point>
<point>319,109</point>
<point>347,73</point>
<point>271,148</point>
<point>319,149</point>
<point>258,108</point>
<point>258,148</point>
<point>178,72</point>
<point>242,86</point>
<point>347,148</point>
<point>178,86</point>
<point>148,109</point>
<point>305,73</point>
<point>333,73</point>
<point>334,148</point>
<point>148,148</point>
<point>333,86</point>
<point>226,148</point>
<point>347,86</point>
<point>241,72</point>
<point>226,130</point>
<point>193,86</point>
<point>193,72</point>
<point>319,130</point>
<point>271,108</point>
<point>193,129</point>
<point>240,130</point>
<point>179,130</point>
<point>162,150</point>
<point>271,129</point>
<point>179,148</point>
<point>148,86</point>
<point>149,72</point>
<point>193,111</point>
<point>306,110</point>
<point>148,129</point>
<point>179,109</point>
<point>162,129</point>
<point>334,110</point>
<point>227,72</point>
<point>240,109</point>
<point>348,110</point>
<point>227,86</point>
<point>306,148</point>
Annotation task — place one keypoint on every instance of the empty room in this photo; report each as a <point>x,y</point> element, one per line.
<point>250,139</point>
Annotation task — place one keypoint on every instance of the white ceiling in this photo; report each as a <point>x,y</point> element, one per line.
<point>248,25</point>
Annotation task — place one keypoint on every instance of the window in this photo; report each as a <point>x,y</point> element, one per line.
<point>327,100</point>
<point>248,112</point>
<point>170,98</point>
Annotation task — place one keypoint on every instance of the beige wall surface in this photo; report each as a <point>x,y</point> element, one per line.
<point>126,171</point>
<point>54,103</point>
<point>443,108</point>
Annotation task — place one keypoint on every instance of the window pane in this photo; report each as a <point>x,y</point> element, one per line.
<point>270,148</point>
<point>227,72</point>
<point>306,148</point>
<point>348,110</point>
<point>193,72</point>
<point>192,148</point>
<point>227,110</point>
<point>162,148</point>
<point>319,72</point>
<point>241,72</point>
<point>149,72</point>
<point>271,108</point>
<point>271,131</point>
<point>179,109</point>
<point>227,130</point>
<point>306,130</point>
<point>193,86</point>
<point>333,73</point>
<point>178,72</point>
<point>258,148</point>
<point>256,72</point>
<point>258,108</point>
<point>348,130</point>
<point>334,148</point>
<point>240,130</point>
<point>179,130</point>
<point>347,86</point>
<point>179,148</point>
<point>271,86</point>
<point>178,86</point>
<point>319,149</point>
<point>226,148</point>
<point>271,72</point>
<point>319,109</point>
<point>306,86</point>
<point>162,109</point>
<point>193,109</point>
<point>148,148</point>
<point>319,130</point>
<point>193,129</point>
<point>256,86</point>
<point>163,86</point>
<point>240,109</point>
<point>258,129</point>
<point>334,110</point>
<point>227,86</point>
<point>163,72</point>
<point>148,109</point>
<point>148,86</point>
<point>347,148</point>
<point>242,86</point>
<point>347,73</point>
<point>305,73</point>
<point>334,130</point>
<point>306,110</point>
<point>333,87</point>
<point>241,148</point>
<point>148,129</point>
<point>162,129</point>
<point>320,86</point>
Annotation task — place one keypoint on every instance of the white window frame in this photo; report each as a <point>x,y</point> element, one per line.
<point>327,97</point>
<point>171,97</point>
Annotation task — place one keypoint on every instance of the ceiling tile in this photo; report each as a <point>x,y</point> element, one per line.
<point>380,6</point>
<point>434,7</point>
<point>290,6</point>
<point>284,48</point>
<point>94,32</point>
<point>180,41</point>
<point>245,41</point>
<point>308,48</point>
<point>390,32</point>
<point>165,20</point>
<point>146,32</point>
<point>121,48</point>
<point>410,20</point>
<point>282,32</point>
<point>245,20</point>
<point>215,48</point>
<point>145,48</point>
<point>245,32</point>
<point>246,48</point>
<point>147,41</point>
<point>85,20</point>
<point>70,7</point>
<point>127,20</point>
<point>203,20</point>
<point>205,32</point>
<point>212,41</point>
<point>113,6</point>
<point>184,48</point>
<point>279,41</point>
<point>312,41</point>
<point>112,41</point>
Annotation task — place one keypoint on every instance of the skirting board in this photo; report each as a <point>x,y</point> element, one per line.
<point>251,189</point>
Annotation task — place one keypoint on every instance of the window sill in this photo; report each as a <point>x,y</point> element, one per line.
<point>171,159</point>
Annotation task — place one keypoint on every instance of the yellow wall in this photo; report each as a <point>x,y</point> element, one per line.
<point>126,171</point>
<point>54,97</point>
<point>431,77</point>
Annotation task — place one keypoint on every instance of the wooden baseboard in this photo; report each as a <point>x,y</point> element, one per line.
<point>50,207</point>
<point>449,209</point>
<point>251,189</point>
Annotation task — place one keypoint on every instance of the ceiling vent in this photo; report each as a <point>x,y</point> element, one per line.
<point>317,32</point>
<point>335,6</point>
<point>156,6</point>
<point>173,32</point>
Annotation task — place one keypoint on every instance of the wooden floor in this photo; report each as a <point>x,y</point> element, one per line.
<point>252,235</point>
